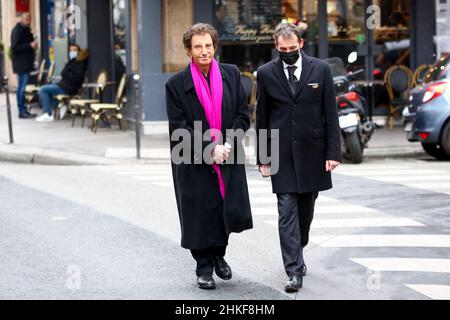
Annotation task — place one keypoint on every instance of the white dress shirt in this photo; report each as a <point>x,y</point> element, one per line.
<point>298,71</point>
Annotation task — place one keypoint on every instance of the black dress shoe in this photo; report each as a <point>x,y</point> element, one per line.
<point>294,284</point>
<point>223,270</point>
<point>32,115</point>
<point>304,270</point>
<point>206,282</point>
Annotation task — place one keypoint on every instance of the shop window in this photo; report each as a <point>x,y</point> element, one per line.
<point>393,36</point>
<point>346,28</point>
<point>246,29</point>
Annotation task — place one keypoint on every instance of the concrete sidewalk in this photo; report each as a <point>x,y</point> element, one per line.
<point>57,143</point>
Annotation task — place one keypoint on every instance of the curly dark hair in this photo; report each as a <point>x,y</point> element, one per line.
<point>201,29</point>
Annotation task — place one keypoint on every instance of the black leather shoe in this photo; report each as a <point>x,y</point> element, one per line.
<point>304,270</point>
<point>294,284</point>
<point>206,282</point>
<point>223,270</point>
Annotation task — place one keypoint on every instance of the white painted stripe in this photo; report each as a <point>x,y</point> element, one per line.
<point>435,292</point>
<point>429,185</point>
<point>359,223</point>
<point>364,167</point>
<point>145,172</point>
<point>384,240</point>
<point>259,191</point>
<point>321,210</point>
<point>259,183</point>
<point>413,178</point>
<point>153,178</point>
<point>266,200</point>
<point>375,173</point>
<point>163,184</point>
<point>405,264</point>
<point>367,222</point>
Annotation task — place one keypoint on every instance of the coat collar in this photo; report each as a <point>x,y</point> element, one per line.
<point>307,67</point>
<point>189,83</point>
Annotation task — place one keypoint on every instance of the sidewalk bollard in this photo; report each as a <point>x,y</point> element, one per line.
<point>8,110</point>
<point>137,115</point>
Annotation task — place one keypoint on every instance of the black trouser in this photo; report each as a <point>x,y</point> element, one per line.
<point>205,259</point>
<point>296,212</point>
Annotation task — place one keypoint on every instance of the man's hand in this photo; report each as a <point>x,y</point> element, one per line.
<point>220,154</point>
<point>34,45</point>
<point>264,169</point>
<point>331,165</point>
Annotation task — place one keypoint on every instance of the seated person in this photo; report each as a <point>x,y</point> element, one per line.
<point>72,79</point>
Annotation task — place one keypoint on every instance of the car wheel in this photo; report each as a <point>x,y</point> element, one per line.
<point>435,151</point>
<point>445,139</point>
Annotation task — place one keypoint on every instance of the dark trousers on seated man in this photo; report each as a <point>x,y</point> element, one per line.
<point>296,213</point>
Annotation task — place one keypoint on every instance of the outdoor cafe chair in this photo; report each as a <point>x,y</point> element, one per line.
<point>32,90</point>
<point>399,81</point>
<point>80,106</point>
<point>419,74</point>
<point>108,110</point>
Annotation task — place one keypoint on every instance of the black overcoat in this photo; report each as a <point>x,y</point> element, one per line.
<point>206,219</point>
<point>23,55</point>
<point>307,121</point>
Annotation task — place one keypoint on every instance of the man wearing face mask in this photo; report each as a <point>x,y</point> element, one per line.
<point>296,97</point>
<point>72,78</point>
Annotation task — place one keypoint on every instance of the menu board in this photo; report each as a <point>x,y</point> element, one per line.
<point>247,20</point>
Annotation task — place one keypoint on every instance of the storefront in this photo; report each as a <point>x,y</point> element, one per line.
<point>146,36</point>
<point>393,32</point>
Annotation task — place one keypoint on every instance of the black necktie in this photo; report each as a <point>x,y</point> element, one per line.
<point>292,79</point>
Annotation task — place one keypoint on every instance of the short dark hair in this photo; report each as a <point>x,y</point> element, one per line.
<point>200,29</point>
<point>287,30</point>
<point>75,45</point>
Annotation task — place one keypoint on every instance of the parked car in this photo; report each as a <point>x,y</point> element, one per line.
<point>427,118</point>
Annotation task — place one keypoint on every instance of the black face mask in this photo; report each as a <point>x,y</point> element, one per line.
<point>289,57</point>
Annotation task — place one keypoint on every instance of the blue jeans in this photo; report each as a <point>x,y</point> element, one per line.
<point>22,83</point>
<point>46,95</point>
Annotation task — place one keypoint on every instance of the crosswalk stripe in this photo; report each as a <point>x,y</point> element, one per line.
<point>320,210</point>
<point>164,184</point>
<point>375,173</point>
<point>144,172</point>
<point>384,240</point>
<point>359,223</point>
<point>429,185</point>
<point>272,199</point>
<point>405,264</point>
<point>414,178</point>
<point>435,292</point>
<point>153,178</point>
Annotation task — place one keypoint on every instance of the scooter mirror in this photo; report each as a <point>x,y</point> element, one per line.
<point>353,57</point>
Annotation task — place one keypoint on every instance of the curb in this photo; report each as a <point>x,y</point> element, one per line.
<point>17,154</point>
<point>25,155</point>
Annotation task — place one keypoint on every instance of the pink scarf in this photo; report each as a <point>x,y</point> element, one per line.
<point>211,101</point>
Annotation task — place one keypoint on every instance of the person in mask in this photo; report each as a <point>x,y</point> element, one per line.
<point>296,96</point>
<point>72,78</point>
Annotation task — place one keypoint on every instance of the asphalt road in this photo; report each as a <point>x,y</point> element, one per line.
<point>113,233</point>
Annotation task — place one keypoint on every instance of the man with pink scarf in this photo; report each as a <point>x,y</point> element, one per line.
<point>206,104</point>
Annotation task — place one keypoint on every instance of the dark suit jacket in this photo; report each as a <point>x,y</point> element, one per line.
<point>307,121</point>
<point>205,223</point>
